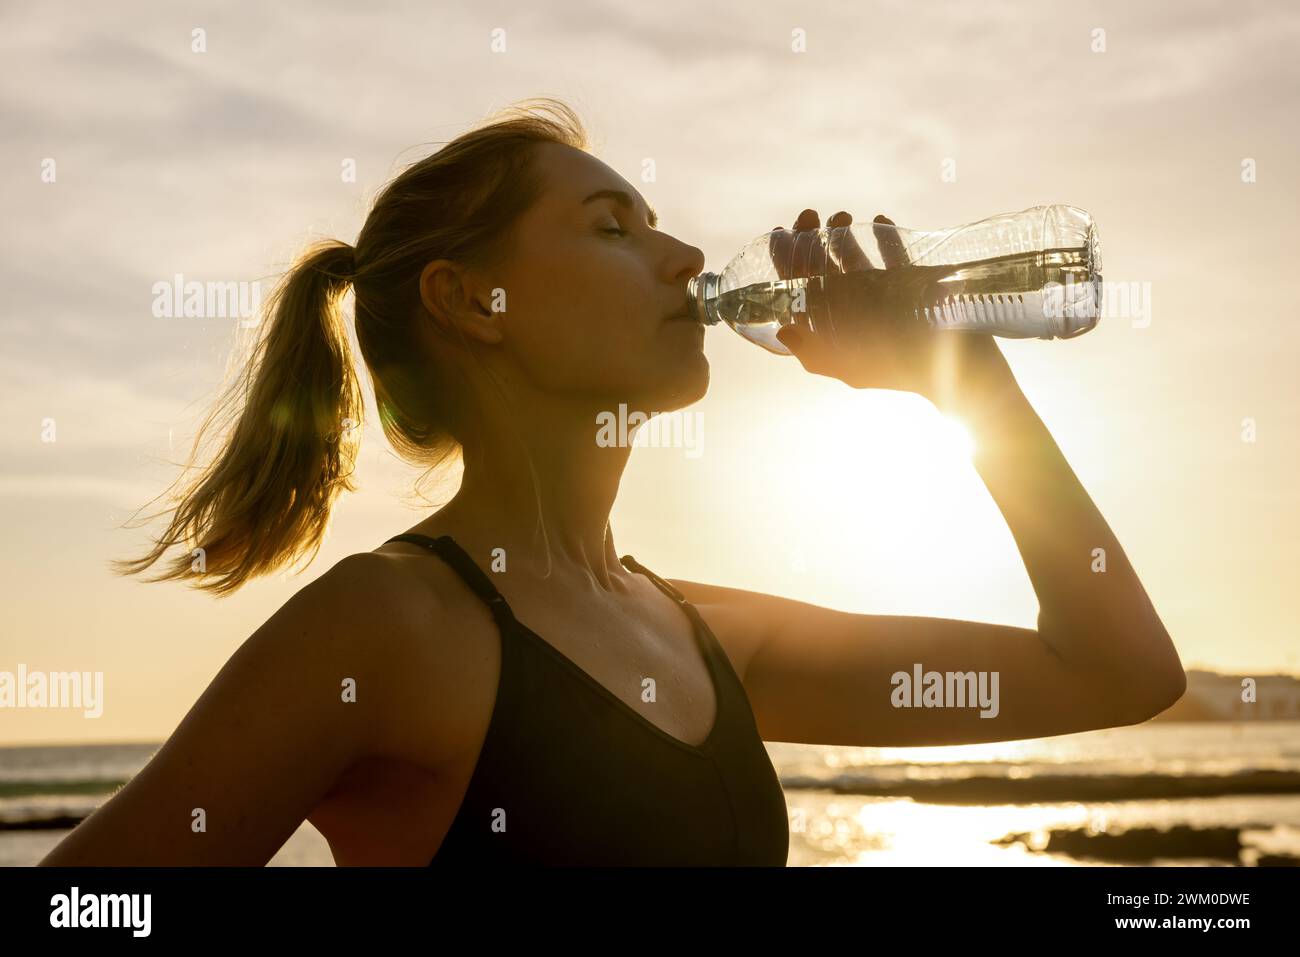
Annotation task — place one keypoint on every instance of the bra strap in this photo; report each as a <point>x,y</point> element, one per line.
<point>673,593</point>
<point>473,576</point>
<point>703,633</point>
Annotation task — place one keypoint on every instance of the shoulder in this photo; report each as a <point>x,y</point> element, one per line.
<point>376,588</point>
<point>416,651</point>
<point>405,595</point>
<point>741,620</point>
<point>364,606</point>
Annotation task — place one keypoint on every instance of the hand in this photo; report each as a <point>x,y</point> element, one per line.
<point>863,345</point>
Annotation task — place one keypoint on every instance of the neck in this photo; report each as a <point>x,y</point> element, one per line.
<point>542,470</point>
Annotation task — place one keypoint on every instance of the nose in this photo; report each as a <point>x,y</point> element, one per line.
<point>686,262</point>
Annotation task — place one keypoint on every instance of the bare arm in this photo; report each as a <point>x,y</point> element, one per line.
<point>264,743</point>
<point>1099,658</point>
<point>1093,610</point>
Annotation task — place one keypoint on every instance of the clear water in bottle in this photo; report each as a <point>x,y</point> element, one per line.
<point>1025,289</point>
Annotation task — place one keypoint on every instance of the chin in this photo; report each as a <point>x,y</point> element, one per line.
<point>688,385</point>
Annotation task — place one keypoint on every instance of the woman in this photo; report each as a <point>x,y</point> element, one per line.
<point>509,289</point>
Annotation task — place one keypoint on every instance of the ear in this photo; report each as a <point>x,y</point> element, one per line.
<point>454,296</point>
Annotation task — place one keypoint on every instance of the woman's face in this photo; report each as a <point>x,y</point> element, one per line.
<point>589,289</point>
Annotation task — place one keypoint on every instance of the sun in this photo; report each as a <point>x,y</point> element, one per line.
<point>960,444</point>
<point>873,491</point>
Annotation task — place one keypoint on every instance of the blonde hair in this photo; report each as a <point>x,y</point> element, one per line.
<point>295,410</point>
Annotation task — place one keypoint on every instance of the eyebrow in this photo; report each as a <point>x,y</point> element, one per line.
<point>624,199</point>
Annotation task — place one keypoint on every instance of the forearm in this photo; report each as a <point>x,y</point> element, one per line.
<point>1099,619</point>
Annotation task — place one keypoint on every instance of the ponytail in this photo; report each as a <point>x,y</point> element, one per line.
<point>295,413</point>
<point>265,501</point>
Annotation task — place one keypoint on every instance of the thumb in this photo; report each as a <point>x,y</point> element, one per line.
<point>812,351</point>
<point>791,337</point>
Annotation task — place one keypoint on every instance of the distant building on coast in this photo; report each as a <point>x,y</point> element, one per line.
<point>1214,697</point>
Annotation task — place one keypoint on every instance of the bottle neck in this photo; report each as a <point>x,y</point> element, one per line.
<point>703,291</point>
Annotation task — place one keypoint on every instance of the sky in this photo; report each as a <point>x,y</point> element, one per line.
<point>129,156</point>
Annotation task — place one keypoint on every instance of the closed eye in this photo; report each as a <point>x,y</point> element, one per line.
<point>614,229</point>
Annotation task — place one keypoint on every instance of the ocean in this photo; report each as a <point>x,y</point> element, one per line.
<point>1163,793</point>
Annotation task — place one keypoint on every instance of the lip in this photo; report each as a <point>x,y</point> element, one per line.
<point>685,310</point>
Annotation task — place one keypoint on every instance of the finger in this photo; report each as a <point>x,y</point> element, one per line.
<point>892,249</point>
<point>791,337</point>
<point>799,252</point>
<point>809,255</point>
<point>812,259</point>
<point>815,353</point>
<point>846,254</point>
<point>780,246</point>
<point>783,244</point>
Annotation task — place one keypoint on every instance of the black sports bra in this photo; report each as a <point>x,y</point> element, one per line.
<point>570,774</point>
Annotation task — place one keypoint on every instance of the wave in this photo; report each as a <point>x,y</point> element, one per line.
<point>978,789</point>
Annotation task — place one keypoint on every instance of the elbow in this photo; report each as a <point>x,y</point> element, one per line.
<point>1157,679</point>
<point>1157,694</point>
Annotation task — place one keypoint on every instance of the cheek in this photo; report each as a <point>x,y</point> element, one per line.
<point>574,344</point>
<point>573,333</point>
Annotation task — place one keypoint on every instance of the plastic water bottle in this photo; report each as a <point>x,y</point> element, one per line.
<point>1031,274</point>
